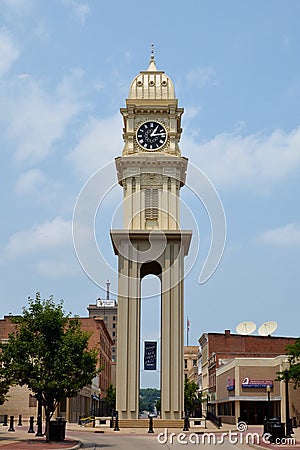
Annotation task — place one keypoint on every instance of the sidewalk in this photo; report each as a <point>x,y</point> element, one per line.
<point>285,445</point>
<point>20,439</point>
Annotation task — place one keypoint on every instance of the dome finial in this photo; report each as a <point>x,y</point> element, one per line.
<point>152,52</point>
<point>152,66</point>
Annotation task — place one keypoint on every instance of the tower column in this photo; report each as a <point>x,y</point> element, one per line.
<point>128,367</point>
<point>172,333</point>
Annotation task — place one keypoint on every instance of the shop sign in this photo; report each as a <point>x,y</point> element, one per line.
<point>247,383</point>
<point>105,303</point>
<point>230,386</point>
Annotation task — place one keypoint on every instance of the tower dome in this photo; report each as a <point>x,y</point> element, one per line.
<point>151,84</point>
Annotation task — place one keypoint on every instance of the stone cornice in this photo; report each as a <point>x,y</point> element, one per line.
<point>136,165</point>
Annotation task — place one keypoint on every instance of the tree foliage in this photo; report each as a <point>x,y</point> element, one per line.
<point>4,388</point>
<point>190,396</point>
<point>111,398</point>
<point>49,353</point>
<point>148,398</point>
<point>294,358</point>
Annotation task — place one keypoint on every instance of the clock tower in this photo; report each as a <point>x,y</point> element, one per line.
<point>151,172</point>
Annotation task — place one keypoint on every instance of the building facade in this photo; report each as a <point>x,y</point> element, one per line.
<point>190,354</point>
<point>226,359</point>
<point>242,391</point>
<point>107,309</point>
<point>21,400</point>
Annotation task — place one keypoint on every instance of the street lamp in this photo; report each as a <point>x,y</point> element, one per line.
<point>268,389</point>
<point>207,403</point>
<point>285,372</point>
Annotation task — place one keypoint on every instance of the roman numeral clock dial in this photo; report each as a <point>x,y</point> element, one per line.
<point>151,135</point>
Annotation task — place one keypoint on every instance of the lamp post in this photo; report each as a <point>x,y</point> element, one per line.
<point>288,428</point>
<point>268,389</point>
<point>207,403</point>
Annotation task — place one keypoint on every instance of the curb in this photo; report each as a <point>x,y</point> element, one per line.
<point>75,447</point>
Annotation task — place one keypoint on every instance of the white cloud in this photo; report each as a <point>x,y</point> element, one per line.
<point>191,111</point>
<point>286,236</point>
<point>202,76</point>
<point>19,7</point>
<point>30,181</point>
<point>255,162</point>
<point>79,9</point>
<point>35,119</point>
<point>99,144</point>
<point>36,184</point>
<point>8,51</point>
<point>48,236</point>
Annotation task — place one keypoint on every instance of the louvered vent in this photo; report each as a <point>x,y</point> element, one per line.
<point>151,203</point>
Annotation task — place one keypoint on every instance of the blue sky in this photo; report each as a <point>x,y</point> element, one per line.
<point>65,70</point>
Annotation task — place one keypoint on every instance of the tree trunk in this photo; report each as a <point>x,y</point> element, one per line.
<point>47,430</point>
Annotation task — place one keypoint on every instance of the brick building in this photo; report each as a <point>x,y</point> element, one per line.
<point>238,357</point>
<point>108,310</point>
<point>241,391</point>
<point>20,399</point>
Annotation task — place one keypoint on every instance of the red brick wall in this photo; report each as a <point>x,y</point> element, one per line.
<point>235,345</point>
<point>229,346</point>
<point>100,339</point>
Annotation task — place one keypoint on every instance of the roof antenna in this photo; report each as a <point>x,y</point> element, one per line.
<point>107,289</point>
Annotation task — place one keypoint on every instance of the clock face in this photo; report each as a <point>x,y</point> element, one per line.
<point>151,135</point>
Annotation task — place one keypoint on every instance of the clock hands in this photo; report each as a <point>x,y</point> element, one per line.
<point>154,134</point>
<point>151,135</point>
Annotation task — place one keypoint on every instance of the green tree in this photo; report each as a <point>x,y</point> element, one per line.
<point>190,396</point>
<point>158,406</point>
<point>148,399</point>
<point>111,398</point>
<point>294,358</point>
<point>49,353</point>
<point>4,388</point>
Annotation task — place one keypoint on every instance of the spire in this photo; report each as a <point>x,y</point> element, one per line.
<point>152,66</point>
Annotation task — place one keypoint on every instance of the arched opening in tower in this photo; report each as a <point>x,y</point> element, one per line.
<point>150,274</point>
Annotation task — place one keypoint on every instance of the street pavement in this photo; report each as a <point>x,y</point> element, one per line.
<point>227,438</point>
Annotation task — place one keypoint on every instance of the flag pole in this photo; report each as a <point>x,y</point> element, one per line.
<point>187,331</point>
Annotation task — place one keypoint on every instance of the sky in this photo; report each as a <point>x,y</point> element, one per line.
<point>65,71</point>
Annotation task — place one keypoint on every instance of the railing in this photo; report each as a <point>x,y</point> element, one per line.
<point>216,420</point>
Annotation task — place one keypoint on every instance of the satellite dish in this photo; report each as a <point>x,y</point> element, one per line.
<point>245,327</point>
<point>267,328</point>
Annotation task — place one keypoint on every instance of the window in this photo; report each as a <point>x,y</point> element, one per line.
<point>114,333</point>
<point>114,325</point>
<point>194,362</point>
<point>114,317</point>
<point>185,363</point>
<point>151,203</point>
<point>32,401</point>
<point>63,405</point>
<point>226,409</point>
<point>113,350</point>
<point>105,317</point>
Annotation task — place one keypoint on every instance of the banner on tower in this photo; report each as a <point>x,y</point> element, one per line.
<point>150,355</point>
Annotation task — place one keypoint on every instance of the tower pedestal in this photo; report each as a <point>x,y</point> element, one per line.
<point>141,253</point>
